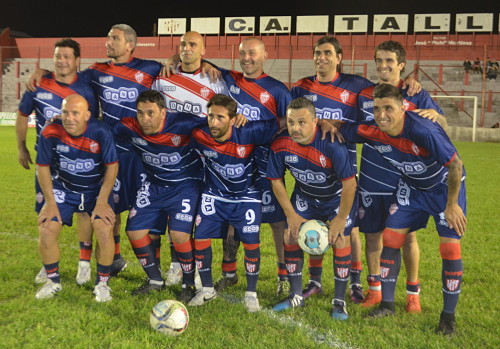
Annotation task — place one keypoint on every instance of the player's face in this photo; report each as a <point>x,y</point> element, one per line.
<point>219,122</point>
<point>388,68</point>
<point>74,115</point>
<point>191,48</point>
<point>301,125</point>
<point>252,58</point>
<point>326,60</point>
<point>65,62</point>
<point>389,115</point>
<point>117,46</point>
<point>150,117</point>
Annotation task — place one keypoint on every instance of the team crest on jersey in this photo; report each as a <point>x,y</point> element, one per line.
<point>94,147</point>
<point>361,212</point>
<point>415,149</point>
<point>250,267</point>
<point>132,213</point>
<point>241,152</point>
<point>406,104</point>
<point>264,97</point>
<point>39,197</point>
<point>344,96</point>
<point>139,77</point>
<point>393,209</point>
<point>342,272</point>
<point>205,92</point>
<point>322,160</point>
<point>452,284</point>
<point>384,272</point>
<point>176,140</point>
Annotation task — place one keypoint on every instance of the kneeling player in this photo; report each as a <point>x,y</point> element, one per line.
<point>76,169</point>
<point>325,188</point>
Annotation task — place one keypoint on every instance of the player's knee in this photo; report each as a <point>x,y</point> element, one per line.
<point>393,239</point>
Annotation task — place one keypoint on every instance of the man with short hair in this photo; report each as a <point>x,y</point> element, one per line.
<point>46,101</point>
<point>76,169</point>
<point>325,189</point>
<point>432,183</point>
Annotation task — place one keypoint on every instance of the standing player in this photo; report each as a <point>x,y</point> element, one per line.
<point>76,169</point>
<point>432,183</point>
<point>325,188</point>
<point>46,101</point>
<point>378,179</point>
<point>230,195</point>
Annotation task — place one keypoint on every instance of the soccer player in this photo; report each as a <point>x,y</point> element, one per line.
<point>76,169</point>
<point>171,188</point>
<point>378,179</point>
<point>230,195</point>
<point>432,183</point>
<point>325,189</point>
<point>46,101</point>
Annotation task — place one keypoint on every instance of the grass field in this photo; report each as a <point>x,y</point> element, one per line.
<point>74,320</point>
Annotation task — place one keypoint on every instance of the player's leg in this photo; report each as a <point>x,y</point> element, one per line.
<point>49,251</point>
<point>341,268</point>
<point>411,257</point>
<point>84,233</point>
<point>106,246</point>
<point>373,249</point>
<point>183,244</point>
<point>356,290</point>
<point>230,247</point>
<point>278,229</point>
<point>174,273</point>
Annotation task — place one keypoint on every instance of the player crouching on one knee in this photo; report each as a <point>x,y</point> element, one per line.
<point>76,169</point>
<point>325,188</point>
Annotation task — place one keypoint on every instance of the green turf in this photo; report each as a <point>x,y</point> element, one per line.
<point>74,320</point>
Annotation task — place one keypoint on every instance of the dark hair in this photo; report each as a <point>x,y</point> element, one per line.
<point>336,44</point>
<point>303,103</point>
<point>395,47</point>
<point>226,102</point>
<point>68,42</point>
<point>388,91</point>
<point>151,96</point>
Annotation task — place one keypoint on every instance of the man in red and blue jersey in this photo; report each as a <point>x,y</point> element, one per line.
<point>378,179</point>
<point>46,102</point>
<point>325,189</point>
<point>76,168</point>
<point>432,183</point>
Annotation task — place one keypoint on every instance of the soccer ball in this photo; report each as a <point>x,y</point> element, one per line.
<point>313,237</point>
<point>169,317</point>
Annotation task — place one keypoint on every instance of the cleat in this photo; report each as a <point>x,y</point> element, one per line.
<point>41,277</point>
<point>225,282</point>
<point>48,290</point>
<point>197,280</point>
<point>356,293</point>
<point>251,302</point>
<point>187,293</point>
<point>118,266</point>
<point>447,324</point>
<point>204,296</point>
<point>283,287</point>
<point>174,275</point>
<point>83,274</point>
<point>149,286</point>
<point>102,292</point>
<point>339,310</point>
<point>384,309</point>
<point>311,289</point>
<point>413,303</point>
<point>372,299</point>
<point>293,301</point>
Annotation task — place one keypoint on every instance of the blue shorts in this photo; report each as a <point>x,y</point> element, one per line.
<point>214,216</point>
<point>156,205</point>
<point>412,207</point>
<point>128,181</point>
<point>323,210</point>
<point>271,208</point>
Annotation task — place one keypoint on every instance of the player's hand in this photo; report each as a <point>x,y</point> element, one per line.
<point>430,114</point>
<point>24,158</point>
<point>329,126</point>
<point>209,70</point>
<point>49,210</point>
<point>104,212</point>
<point>336,230</point>
<point>240,120</point>
<point>456,218</point>
<point>413,85</point>
<point>294,223</point>
<point>170,66</point>
<point>35,78</point>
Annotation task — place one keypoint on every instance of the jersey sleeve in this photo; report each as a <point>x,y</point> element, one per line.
<point>284,98</point>
<point>432,137</point>
<point>349,131</point>
<point>275,165</point>
<point>263,130</point>
<point>108,149</point>
<point>44,150</point>
<point>27,104</point>
<point>342,164</point>
<point>426,102</point>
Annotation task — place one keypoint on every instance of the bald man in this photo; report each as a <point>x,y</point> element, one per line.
<point>76,167</point>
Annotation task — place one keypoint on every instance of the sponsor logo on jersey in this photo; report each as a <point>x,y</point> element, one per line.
<point>210,154</point>
<point>94,147</point>
<point>229,171</point>
<point>291,159</point>
<point>176,140</point>
<point>234,89</point>
<point>366,199</point>
<point>205,92</point>
<point>403,194</point>
<point>342,272</point>
<point>329,113</point>
<point>46,96</point>
<point>139,77</point>
<point>50,112</point>
<point>264,97</point>
<point>122,94</point>
<point>452,284</point>
<point>384,272</point>
<point>142,199</point>
<point>59,196</point>
<point>241,152</point>
<point>184,217</point>
<point>368,105</point>
<point>161,159</point>
<point>140,141</point>
<point>254,228</point>
<point>268,208</point>
<point>186,107</point>
<point>308,176</point>
<point>322,160</point>
<point>207,206</point>
<point>409,168</point>
<point>393,209</point>
<point>168,88</point>
<point>77,166</point>
<point>344,96</point>
<point>106,79</point>
<point>383,148</point>
<point>63,148</point>
<point>251,113</point>
<point>312,98</point>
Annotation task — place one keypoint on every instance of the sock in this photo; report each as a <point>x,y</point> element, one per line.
<point>356,268</point>
<point>145,253</point>
<point>229,268</point>
<point>282,273</point>
<point>341,268</point>
<point>85,250</point>
<point>413,287</point>
<point>390,263</point>
<point>230,248</point>
<point>156,243</point>
<point>452,272</point>
<point>252,265</point>
<point>117,248</point>
<point>294,260</point>
<point>52,270</point>
<point>103,273</point>
<point>173,255</point>
<point>374,282</point>
<point>316,269</point>
<point>185,256</point>
<point>203,257</point>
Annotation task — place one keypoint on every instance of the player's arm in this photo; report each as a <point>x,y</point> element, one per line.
<point>35,78</point>
<point>332,127</point>
<point>337,224</point>
<point>49,209</point>
<point>206,68</point>
<point>453,212</point>
<point>431,114</point>
<point>24,156</point>
<point>293,219</point>
<point>102,208</point>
